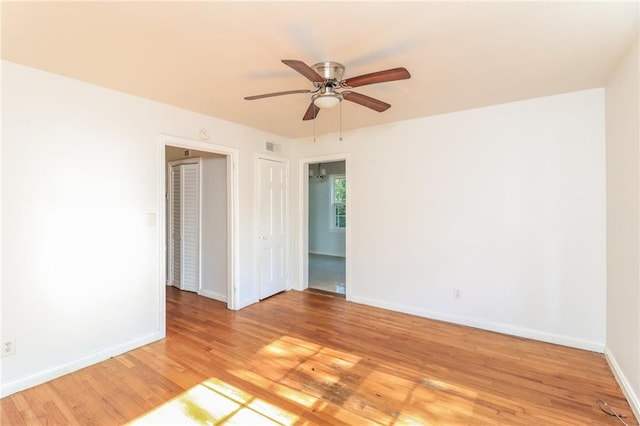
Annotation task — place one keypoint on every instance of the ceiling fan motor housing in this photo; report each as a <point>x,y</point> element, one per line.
<point>329,70</point>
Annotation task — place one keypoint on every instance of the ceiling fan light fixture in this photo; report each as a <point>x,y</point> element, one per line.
<point>327,100</point>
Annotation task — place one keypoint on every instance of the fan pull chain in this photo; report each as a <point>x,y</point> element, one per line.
<point>314,125</point>
<point>340,121</point>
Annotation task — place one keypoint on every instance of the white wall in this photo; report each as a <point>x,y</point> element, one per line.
<point>505,203</point>
<point>80,173</point>
<point>323,240</point>
<point>623,225</point>
<point>214,228</point>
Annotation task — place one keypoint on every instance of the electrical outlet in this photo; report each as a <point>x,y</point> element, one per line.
<point>456,294</point>
<point>150,219</point>
<point>8,347</point>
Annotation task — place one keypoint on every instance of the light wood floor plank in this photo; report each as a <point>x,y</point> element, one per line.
<point>308,358</point>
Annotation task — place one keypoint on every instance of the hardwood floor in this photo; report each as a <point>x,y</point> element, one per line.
<point>307,358</point>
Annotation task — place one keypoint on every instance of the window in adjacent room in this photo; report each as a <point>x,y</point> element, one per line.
<point>338,206</point>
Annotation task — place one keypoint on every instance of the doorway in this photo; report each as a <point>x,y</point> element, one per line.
<point>218,218</point>
<point>197,221</point>
<point>326,234</point>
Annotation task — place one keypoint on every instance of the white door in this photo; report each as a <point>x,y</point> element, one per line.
<point>272,249</point>
<point>184,224</point>
<point>174,226</point>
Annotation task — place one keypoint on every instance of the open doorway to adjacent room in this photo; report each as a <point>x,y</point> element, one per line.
<point>327,223</point>
<point>197,221</point>
<point>209,234</point>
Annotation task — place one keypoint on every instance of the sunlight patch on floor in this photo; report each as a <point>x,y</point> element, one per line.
<point>317,377</point>
<point>290,347</point>
<point>298,373</point>
<point>214,402</point>
<point>284,391</point>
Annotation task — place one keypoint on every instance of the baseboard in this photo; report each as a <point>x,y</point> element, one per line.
<point>327,254</point>
<point>53,373</point>
<point>247,302</point>
<point>214,295</point>
<point>627,390</point>
<point>486,325</point>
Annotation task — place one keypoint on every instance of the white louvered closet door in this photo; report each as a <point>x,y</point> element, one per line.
<point>184,223</point>
<point>174,227</point>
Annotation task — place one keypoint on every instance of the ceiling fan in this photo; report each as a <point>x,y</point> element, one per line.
<point>330,89</point>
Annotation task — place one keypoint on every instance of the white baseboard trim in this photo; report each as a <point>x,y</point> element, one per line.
<point>327,254</point>
<point>627,390</point>
<point>486,325</point>
<point>214,295</point>
<point>247,302</point>
<point>75,365</point>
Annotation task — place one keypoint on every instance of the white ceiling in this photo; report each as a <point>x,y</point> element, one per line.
<point>206,56</point>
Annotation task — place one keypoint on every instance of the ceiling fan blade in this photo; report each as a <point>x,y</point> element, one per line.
<point>312,112</point>
<point>268,95</point>
<point>377,77</point>
<point>304,69</point>
<point>366,101</point>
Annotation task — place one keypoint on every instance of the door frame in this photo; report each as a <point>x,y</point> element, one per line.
<point>303,214</point>
<point>233,217</point>
<point>256,221</point>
